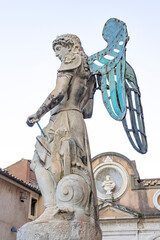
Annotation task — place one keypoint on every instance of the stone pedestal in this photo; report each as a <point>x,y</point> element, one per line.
<point>59,230</point>
<point>74,217</point>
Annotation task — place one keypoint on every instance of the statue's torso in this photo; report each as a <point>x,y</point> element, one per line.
<point>76,92</point>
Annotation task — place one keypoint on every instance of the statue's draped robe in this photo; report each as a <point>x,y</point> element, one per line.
<point>66,144</point>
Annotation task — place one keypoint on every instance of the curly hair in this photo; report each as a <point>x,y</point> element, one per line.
<point>66,40</point>
<point>73,41</point>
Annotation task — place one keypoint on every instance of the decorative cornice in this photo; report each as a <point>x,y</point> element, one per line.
<point>120,207</point>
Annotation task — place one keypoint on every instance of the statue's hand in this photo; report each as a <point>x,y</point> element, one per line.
<point>32,120</point>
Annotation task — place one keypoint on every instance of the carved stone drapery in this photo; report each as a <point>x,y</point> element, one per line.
<point>62,161</point>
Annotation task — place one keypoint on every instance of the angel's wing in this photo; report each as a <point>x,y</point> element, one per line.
<point>133,121</point>
<point>118,83</point>
<point>109,64</point>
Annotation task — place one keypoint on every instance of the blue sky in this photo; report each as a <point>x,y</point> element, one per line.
<point>28,69</point>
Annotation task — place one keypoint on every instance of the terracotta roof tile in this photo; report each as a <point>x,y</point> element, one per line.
<point>26,184</point>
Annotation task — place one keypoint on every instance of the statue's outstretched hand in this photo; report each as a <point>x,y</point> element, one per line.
<point>32,120</point>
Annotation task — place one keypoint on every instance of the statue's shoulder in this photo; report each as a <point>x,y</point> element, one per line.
<point>71,62</point>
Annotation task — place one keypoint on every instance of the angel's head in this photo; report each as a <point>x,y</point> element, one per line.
<point>66,44</point>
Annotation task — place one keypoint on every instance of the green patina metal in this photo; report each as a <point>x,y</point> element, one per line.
<point>133,122</point>
<point>118,83</point>
<point>110,65</point>
<point>41,130</point>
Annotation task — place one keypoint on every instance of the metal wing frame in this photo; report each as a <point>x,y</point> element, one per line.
<point>118,83</point>
<point>109,63</point>
<point>133,122</point>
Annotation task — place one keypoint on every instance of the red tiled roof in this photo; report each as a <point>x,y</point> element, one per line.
<point>28,185</point>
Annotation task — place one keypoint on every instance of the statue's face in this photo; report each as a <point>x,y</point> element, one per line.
<point>61,51</point>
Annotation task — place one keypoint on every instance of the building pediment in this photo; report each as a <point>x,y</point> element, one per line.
<point>110,210</point>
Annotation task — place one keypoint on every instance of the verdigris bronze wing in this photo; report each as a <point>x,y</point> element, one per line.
<point>109,64</point>
<point>118,83</point>
<point>133,121</point>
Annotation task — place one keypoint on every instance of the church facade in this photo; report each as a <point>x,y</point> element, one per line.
<point>129,207</point>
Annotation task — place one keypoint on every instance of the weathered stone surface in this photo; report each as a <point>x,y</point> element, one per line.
<point>73,217</point>
<point>59,230</point>
<point>62,161</point>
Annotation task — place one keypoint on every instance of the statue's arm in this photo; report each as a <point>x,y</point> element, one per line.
<point>87,110</point>
<point>54,98</point>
